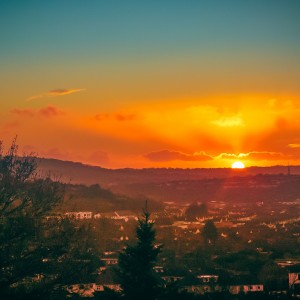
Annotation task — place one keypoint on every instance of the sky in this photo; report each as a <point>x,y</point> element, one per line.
<point>186,84</point>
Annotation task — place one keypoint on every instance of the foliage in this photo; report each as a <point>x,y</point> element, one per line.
<point>21,191</point>
<point>243,261</point>
<point>107,294</point>
<point>196,210</point>
<point>209,232</point>
<point>37,253</point>
<point>273,277</point>
<point>136,274</point>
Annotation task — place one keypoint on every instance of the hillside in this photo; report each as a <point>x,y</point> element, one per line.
<point>76,172</point>
<point>94,198</point>
<point>183,184</point>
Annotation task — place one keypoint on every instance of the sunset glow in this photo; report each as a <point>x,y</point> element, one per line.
<point>238,165</point>
<point>152,84</point>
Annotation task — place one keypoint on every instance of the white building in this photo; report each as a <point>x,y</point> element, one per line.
<point>294,279</point>
<point>79,215</point>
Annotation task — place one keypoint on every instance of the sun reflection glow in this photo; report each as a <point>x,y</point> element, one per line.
<point>238,165</point>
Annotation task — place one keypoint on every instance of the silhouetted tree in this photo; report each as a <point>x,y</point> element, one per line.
<point>36,254</point>
<point>273,277</point>
<point>209,232</point>
<point>137,277</point>
<point>196,210</point>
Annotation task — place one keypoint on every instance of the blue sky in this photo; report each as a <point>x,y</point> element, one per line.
<point>95,29</point>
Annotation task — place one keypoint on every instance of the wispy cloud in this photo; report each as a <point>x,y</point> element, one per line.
<point>50,111</point>
<point>23,112</point>
<point>294,145</point>
<point>118,117</point>
<point>47,112</point>
<point>255,155</point>
<point>170,155</point>
<point>229,121</point>
<point>124,117</point>
<point>55,93</point>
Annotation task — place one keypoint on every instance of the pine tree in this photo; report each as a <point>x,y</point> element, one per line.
<point>136,274</point>
<point>209,232</point>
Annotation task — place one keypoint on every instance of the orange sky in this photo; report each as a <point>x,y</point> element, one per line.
<point>258,130</point>
<point>152,85</point>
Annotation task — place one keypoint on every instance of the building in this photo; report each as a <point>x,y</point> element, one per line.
<point>79,215</point>
<point>246,288</point>
<point>294,279</point>
<point>203,284</point>
<point>105,280</point>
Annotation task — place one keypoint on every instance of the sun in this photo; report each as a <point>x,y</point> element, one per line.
<point>238,165</point>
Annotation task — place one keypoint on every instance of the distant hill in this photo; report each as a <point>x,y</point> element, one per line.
<point>86,174</point>
<point>161,184</point>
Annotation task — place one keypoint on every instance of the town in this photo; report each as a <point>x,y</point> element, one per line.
<point>62,240</point>
<point>250,249</point>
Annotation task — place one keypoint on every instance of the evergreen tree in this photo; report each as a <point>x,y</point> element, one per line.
<point>209,232</point>
<point>136,274</point>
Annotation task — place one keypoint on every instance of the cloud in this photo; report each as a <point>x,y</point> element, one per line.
<point>294,145</point>
<point>280,105</point>
<point>170,155</point>
<point>255,155</point>
<point>265,156</point>
<point>282,138</point>
<point>46,112</point>
<point>124,117</point>
<point>118,117</point>
<point>50,111</point>
<point>101,117</point>
<point>229,122</point>
<point>23,112</point>
<point>55,93</point>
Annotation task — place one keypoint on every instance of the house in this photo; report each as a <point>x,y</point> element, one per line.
<point>109,261</point>
<point>159,270</point>
<point>83,290</point>
<point>294,279</point>
<point>171,279</point>
<point>79,215</point>
<point>203,284</point>
<point>287,262</point>
<point>124,215</point>
<point>97,216</point>
<point>208,278</point>
<point>107,280</point>
<point>201,289</point>
<point>102,287</point>
<point>245,288</point>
